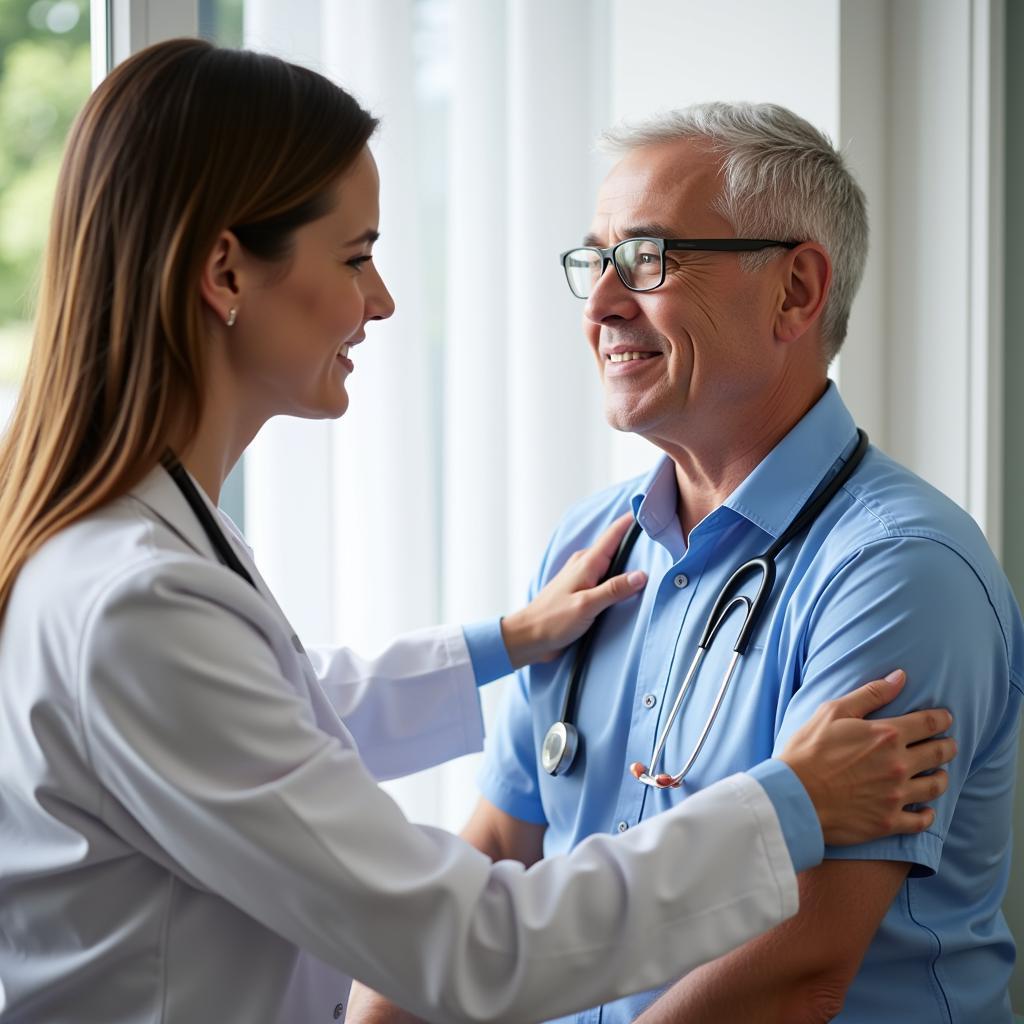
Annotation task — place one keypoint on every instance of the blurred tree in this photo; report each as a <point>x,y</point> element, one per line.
<point>44,80</point>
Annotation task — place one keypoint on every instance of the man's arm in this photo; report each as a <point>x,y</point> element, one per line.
<point>503,837</point>
<point>797,973</point>
<point>890,605</point>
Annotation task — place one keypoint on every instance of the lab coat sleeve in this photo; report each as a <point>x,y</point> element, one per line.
<point>413,706</point>
<point>196,733</point>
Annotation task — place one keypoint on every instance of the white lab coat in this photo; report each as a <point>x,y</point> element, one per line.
<point>183,809</point>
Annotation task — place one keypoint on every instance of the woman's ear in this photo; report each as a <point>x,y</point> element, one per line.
<point>806,279</point>
<point>220,283</point>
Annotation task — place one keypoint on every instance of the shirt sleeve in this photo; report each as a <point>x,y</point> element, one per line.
<point>508,774</point>
<point>801,827</point>
<point>487,651</point>
<point>209,752</point>
<point>910,603</point>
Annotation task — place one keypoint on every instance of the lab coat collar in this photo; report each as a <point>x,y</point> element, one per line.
<point>160,494</point>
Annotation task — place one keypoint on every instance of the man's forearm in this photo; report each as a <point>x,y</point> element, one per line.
<point>799,972</point>
<point>703,998</point>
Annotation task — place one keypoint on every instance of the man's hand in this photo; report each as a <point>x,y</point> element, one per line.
<point>565,609</point>
<point>368,1007</point>
<point>861,775</point>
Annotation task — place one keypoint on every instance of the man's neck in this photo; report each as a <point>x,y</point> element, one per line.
<point>710,467</point>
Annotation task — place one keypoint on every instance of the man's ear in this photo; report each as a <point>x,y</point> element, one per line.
<point>220,283</point>
<point>807,275</point>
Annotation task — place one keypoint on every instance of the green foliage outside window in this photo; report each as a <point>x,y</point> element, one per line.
<point>44,81</point>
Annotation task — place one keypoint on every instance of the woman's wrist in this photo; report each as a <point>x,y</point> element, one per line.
<point>523,639</point>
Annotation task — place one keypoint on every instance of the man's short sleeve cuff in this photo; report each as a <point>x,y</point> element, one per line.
<point>922,852</point>
<point>797,817</point>
<point>487,651</point>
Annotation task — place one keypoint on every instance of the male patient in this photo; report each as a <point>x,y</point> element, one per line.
<point>718,358</point>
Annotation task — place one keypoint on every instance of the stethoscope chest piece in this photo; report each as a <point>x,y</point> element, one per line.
<point>559,748</point>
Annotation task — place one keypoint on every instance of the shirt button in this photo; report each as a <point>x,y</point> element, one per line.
<point>622,826</point>
<point>680,581</point>
<point>650,700</point>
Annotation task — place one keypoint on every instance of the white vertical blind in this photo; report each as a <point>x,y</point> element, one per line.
<point>475,567</point>
<point>553,414</point>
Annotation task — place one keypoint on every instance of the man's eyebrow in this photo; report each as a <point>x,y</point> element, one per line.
<point>636,231</point>
<point>367,237</point>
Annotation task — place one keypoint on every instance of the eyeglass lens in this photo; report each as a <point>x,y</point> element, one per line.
<point>637,260</point>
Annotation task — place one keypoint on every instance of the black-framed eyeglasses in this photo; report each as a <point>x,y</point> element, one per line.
<point>640,262</point>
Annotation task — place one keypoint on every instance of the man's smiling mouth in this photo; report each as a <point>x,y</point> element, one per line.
<point>625,357</point>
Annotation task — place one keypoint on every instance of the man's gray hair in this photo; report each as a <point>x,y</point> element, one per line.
<point>782,179</point>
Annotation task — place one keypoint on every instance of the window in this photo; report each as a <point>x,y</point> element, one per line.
<point>44,80</point>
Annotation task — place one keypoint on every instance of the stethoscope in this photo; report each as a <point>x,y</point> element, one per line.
<point>561,742</point>
<point>202,512</point>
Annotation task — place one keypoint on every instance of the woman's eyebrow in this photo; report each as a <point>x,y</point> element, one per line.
<point>369,236</point>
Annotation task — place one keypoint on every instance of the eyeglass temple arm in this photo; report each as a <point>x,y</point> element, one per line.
<point>727,244</point>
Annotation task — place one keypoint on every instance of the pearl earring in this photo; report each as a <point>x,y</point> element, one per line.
<point>232,317</point>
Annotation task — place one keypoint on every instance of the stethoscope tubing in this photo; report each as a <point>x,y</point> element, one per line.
<point>725,602</point>
<point>214,534</point>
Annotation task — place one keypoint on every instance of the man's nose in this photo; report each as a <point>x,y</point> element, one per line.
<point>609,298</point>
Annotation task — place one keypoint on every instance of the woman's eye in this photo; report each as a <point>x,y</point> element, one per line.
<point>357,262</point>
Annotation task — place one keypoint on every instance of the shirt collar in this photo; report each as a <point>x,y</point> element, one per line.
<point>772,495</point>
<point>655,498</point>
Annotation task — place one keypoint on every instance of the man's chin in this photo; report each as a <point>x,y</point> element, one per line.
<point>625,420</point>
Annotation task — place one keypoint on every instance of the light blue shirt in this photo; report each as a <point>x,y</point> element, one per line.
<point>891,575</point>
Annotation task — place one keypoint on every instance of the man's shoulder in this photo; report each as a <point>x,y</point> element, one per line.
<point>890,502</point>
<point>910,523</point>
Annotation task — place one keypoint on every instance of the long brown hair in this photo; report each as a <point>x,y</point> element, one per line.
<point>178,143</point>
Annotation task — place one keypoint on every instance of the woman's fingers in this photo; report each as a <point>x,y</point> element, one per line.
<point>925,788</point>
<point>600,554</point>
<point>920,725</point>
<point>614,590</point>
<point>870,697</point>
<point>570,601</point>
<point>922,757</point>
<point>911,822</point>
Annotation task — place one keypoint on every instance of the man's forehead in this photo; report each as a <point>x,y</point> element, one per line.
<point>664,183</point>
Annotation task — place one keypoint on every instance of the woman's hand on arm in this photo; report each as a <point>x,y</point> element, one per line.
<point>862,775</point>
<point>570,602</point>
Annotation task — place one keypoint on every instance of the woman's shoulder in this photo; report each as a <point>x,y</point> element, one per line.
<point>122,552</point>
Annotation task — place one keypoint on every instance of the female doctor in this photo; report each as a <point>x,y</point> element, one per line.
<point>188,829</point>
